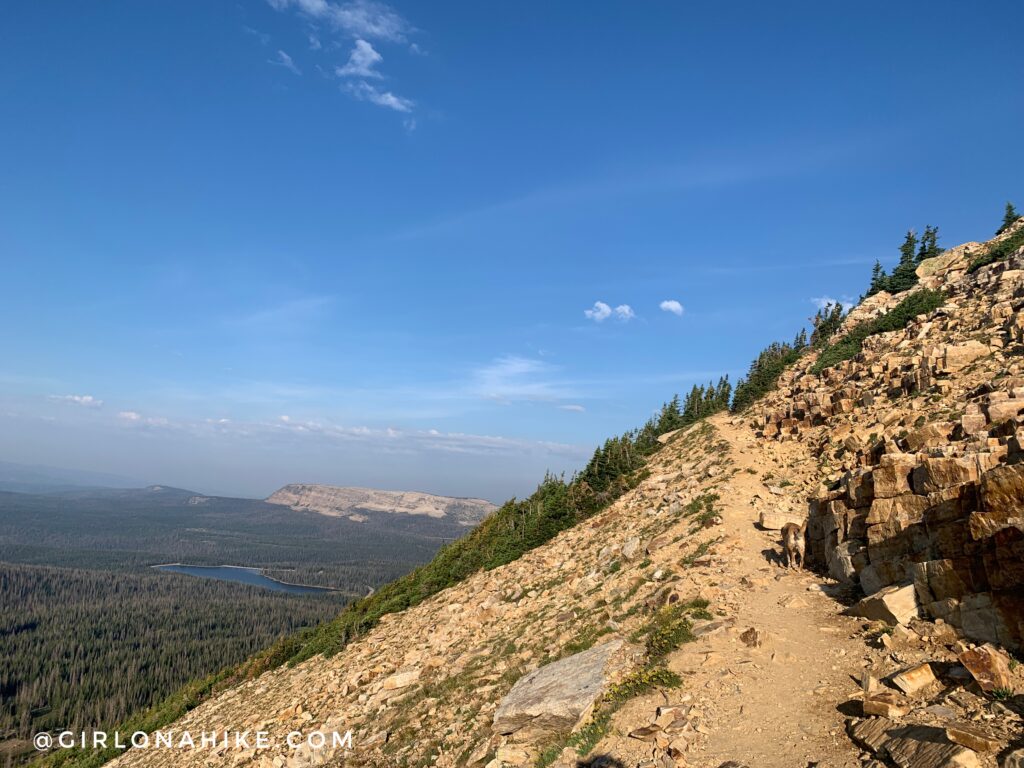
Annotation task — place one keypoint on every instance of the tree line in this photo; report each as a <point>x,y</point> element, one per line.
<point>84,649</point>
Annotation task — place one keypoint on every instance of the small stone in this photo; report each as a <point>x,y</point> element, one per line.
<point>972,737</point>
<point>915,679</point>
<point>887,704</point>
<point>645,733</point>
<point>752,638</point>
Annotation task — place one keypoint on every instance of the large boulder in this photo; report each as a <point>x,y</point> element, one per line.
<point>557,697</point>
<point>893,605</point>
<point>776,519</point>
<point>1003,410</point>
<point>956,357</point>
<point>892,475</point>
<point>1002,501</point>
<point>933,475</point>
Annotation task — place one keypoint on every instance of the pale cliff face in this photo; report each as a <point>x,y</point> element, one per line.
<point>350,502</point>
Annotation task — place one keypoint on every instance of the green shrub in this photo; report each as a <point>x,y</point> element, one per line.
<point>765,371</point>
<point>998,251</point>
<point>917,303</point>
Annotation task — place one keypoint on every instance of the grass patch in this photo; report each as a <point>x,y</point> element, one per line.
<point>998,251</point>
<point>667,629</point>
<point>586,738</point>
<point>699,551</point>
<point>701,511</point>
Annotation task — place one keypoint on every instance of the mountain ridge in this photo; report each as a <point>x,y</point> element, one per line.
<point>352,501</point>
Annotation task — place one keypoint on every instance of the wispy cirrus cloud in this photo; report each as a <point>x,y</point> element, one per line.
<point>136,418</point>
<point>512,378</point>
<point>86,401</point>
<point>366,92</point>
<point>361,62</point>
<point>361,18</point>
<point>286,316</point>
<point>365,22</point>
<point>284,60</point>
<point>387,440</point>
<point>263,37</point>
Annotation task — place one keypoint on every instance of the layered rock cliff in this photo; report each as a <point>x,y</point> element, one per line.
<point>920,439</point>
<point>353,502</point>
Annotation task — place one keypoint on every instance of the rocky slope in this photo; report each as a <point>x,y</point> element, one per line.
<point>666,630</point>
<point>353,503</point>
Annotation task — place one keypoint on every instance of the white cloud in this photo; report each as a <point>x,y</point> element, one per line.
<point>363,21</point>
<point>393,441</point>
<point>361,62</point>
<point>284,60</point>
<point>573,408</point>
<point>87,401</point>
<point>671,305</point>
<point>361,18</point>
<point>134,417</point>
<point>366,92</point>
<point>599,312</point>
<point>823,301</point>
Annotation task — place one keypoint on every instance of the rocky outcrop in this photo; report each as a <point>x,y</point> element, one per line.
<point>922,433</point>
<point>351,502</point>
<point>558,697</point>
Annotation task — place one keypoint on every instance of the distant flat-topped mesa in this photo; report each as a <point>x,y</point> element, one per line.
<point>350,502</point>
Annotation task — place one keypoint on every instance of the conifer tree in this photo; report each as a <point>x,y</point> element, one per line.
<point>929,244</point>
<point>1009,217</point>
<point>908,248</point>
<point>877,278</point>
<point>904,276</point>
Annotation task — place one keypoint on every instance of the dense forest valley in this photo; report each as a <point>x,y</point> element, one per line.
<point>90,633</point>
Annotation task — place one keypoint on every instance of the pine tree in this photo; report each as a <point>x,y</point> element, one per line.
<point>908,248</point>
<point>877,279</point>
<point>826,322</point>
<point>929,244</point>
<point>1009,218</point>
<point>904,276</point>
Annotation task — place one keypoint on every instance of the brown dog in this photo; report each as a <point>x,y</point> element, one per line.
<point>793,544</point>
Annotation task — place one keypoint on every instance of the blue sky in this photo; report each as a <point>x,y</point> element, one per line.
<point>249,243</point>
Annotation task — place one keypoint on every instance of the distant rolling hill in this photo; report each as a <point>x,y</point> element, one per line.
<point>37,478</point>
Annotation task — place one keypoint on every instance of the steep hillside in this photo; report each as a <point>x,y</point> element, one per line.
<point>665,630</point>
<point>353,503</point>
